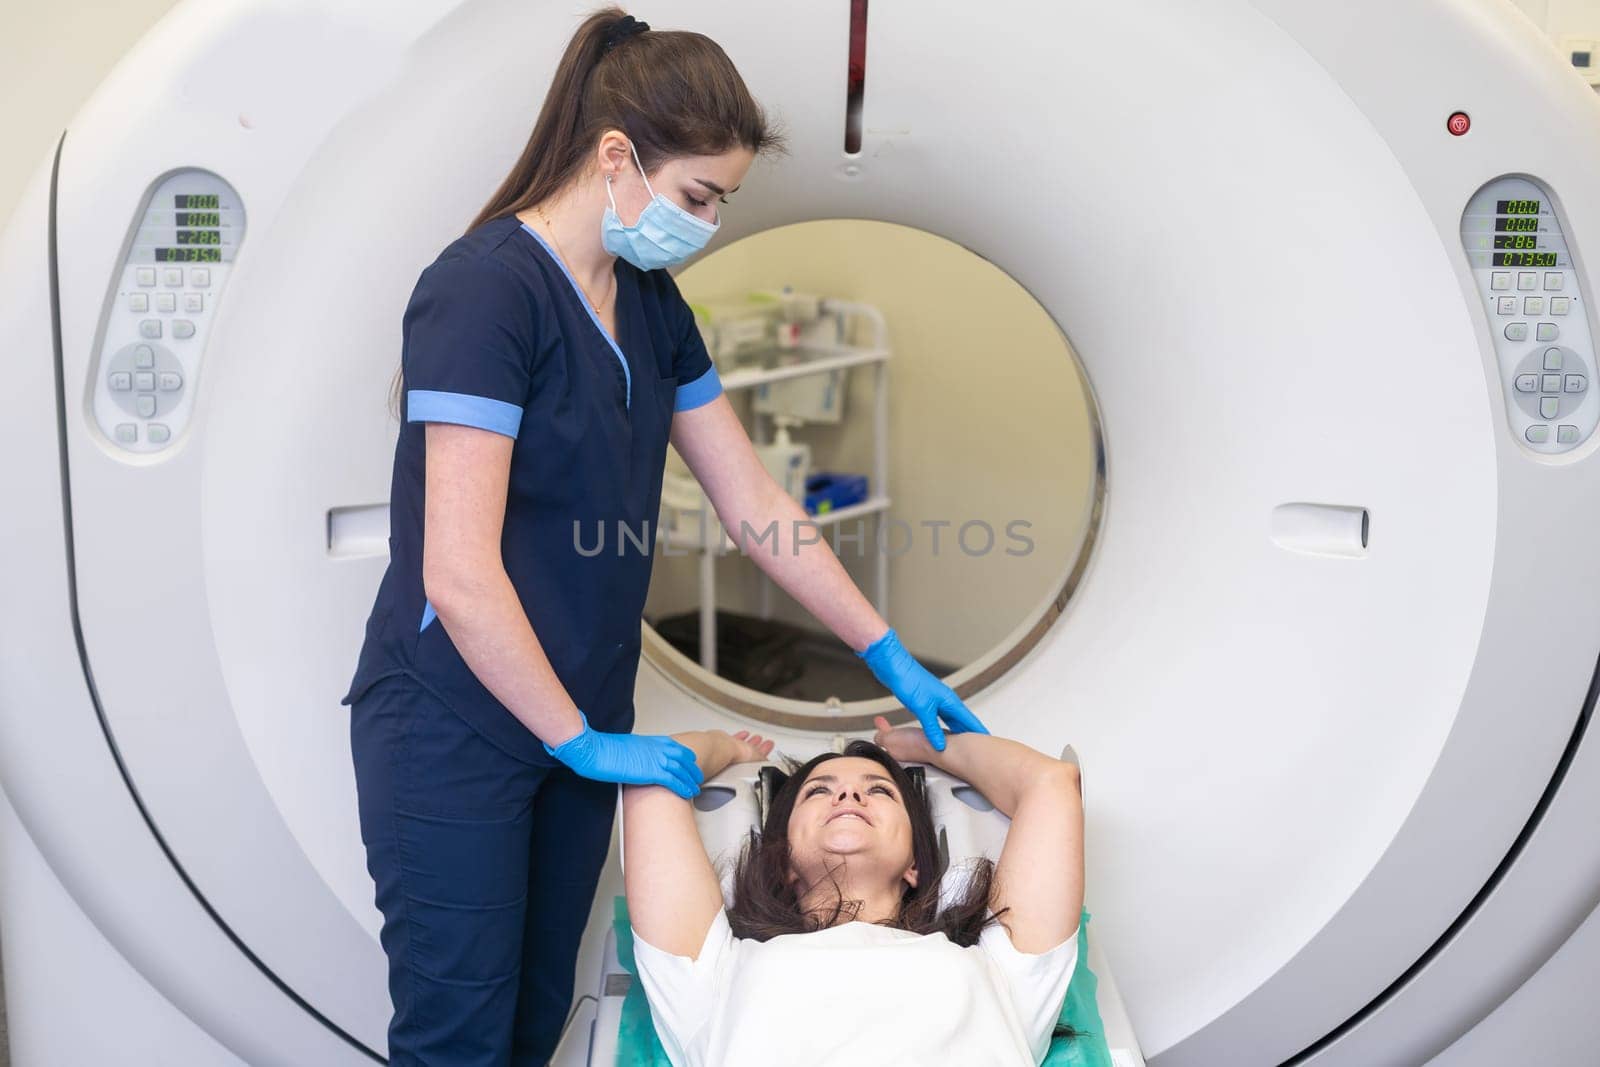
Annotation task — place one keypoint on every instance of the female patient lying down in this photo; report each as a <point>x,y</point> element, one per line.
<point>836,950</point>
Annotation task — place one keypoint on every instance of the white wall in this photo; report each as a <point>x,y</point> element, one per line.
<point>1564,18</point>
<point>51,58</point>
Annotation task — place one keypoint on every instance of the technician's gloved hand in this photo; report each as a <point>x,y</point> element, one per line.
<point>928,698</point>
<point>637,759</point>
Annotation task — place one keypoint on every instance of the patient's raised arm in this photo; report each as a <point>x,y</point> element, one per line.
<point>1040,873</point>
<point>673,893</point>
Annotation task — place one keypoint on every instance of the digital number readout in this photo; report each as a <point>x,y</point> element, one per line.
<point>206,218</point>
<point>1513,225</point>
<point>1524,259</point>
<point>1502,207</point>
<point>1516,240</point>
<point>214,237</point>
<point>202,200</point>
<point>188,255</point>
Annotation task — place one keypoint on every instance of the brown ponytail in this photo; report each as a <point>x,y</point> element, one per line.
<point>673,92</point>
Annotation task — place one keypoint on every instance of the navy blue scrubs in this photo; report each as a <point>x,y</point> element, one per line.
<point>484,850</point>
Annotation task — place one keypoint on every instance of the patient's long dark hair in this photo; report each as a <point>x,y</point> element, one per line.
<point>765,903</point>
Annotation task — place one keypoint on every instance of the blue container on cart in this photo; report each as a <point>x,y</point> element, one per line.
<point>830,490</point>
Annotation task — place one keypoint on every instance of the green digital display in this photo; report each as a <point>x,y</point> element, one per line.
<point>1521,224</point>
<point>1524,259</point>
<point>183,201</point>
<point>1516,240</point>
<point>189,255</point>
<point>213,237</point>
<point>1516,207</point>
<point>199,218</point>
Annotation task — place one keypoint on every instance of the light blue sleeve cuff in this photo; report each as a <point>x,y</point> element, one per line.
<point>702,390</point>
<point>464,409</point>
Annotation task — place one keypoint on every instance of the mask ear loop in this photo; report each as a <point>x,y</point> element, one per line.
<point>653,195</point>
<point>716,223</point>
<point>642,174</point>
<point>613,199</point>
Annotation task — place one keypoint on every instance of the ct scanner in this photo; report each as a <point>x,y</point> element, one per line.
<point>1330,658</point>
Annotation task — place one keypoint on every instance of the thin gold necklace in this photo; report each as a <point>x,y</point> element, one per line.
<point>563,253</point>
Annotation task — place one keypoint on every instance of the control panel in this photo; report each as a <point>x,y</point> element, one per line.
<point>162,303</point>
<point>1518,249</point>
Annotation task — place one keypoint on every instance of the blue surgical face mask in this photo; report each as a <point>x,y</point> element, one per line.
<point>665,233</point>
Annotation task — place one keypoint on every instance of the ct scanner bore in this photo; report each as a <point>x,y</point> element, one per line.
<point>1342,782</point>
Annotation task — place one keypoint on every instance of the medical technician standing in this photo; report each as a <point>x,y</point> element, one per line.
<point>546,358</point>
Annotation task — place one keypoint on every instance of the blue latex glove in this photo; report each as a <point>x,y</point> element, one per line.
<point>637,759</point>
<point>926,696</point>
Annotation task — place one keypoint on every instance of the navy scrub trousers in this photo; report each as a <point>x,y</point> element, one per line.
<point>485,868</point>
<point>483,849</point>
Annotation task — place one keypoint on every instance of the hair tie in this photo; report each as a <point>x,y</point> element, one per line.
<point>624,28</point>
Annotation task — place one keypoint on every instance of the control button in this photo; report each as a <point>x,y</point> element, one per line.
<point>1547,331</point>
<point>1549,406</point>
<point>1550,383</point>
<point>172,278</point>
<point>183,328</point>
<point>194,302</point>
<point>159,433</point>
<point>150,328</point>
<point>145,380</point>
<point>121,381</point>
<point>138,301</point>
<point>1528,280</point>
<point>1559,305</point>
<point>1576,383</point>
<point>144,357</point>
<point>1507,305</point>
<point>1533,305</point>
<point>200,277</point>
<point>171,383</point>
<point>146,275</point>
<point>166,301</point>
<point>147,406</point>
<point>1554,281</point>
<point>1552,359</point>
<point>1538,433</point>
<point>127,433</point>
<point>1500,279</point>
<point>1516,331</point>
<point>1566,434</point>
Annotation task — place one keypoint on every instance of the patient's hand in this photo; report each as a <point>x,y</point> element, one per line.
<point>749,747</point>
<point>908,744</point>
<point>717,750</point>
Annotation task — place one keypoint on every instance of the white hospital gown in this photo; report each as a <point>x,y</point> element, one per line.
<point>855,994</point>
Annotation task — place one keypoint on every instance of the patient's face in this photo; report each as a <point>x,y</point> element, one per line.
<point>850,808</point>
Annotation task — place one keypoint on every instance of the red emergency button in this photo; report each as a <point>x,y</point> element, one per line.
<point>1459,123</point>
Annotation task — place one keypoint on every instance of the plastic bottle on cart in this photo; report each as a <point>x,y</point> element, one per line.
<point>788,330</point>
<point>788,461</point>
